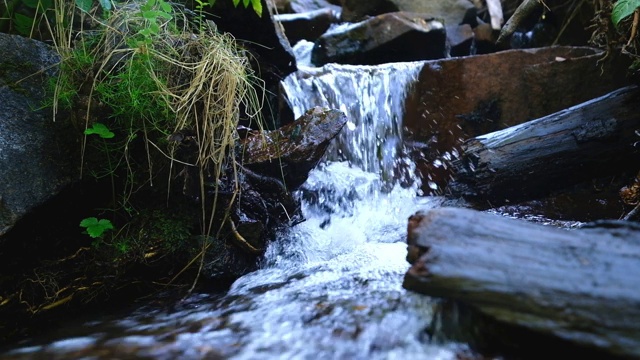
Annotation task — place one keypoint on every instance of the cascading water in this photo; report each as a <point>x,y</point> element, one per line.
<point>329,288</point>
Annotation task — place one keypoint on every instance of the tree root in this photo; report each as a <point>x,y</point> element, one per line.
<point>241,241</point>
<point>522,12</point>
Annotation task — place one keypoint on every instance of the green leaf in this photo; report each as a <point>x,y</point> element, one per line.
<point>24,24</point>
<point>246,3</point>
<point>236,2</point>
<point>46,4</point>
<point>623,9</point>
<point>89,222</point>
<point>257,7</point>
<point>32,4</point>
<point>165,15</point>
<point>150,14</point>
<point>84,5</point>
<point>96,228</point>
<point>166,7</point>
<point>101,130</point>
<point>154,28</point>
<point>106,4</point>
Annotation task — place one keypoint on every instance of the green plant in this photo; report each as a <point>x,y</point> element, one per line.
<point>145,76</point>
<point>623,9</point>
<point>153,12</point>
<point>96,228</point>
<point>101,130</point>
<point>255,4</point>
<point>26,17</point>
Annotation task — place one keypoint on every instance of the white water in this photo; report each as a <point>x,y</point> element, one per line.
<point>329,288</point>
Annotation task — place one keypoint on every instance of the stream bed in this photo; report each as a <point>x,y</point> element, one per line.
<point>328,288</point>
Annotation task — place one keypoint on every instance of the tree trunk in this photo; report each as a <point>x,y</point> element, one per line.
<point>593,139</point>
<point>578,285</point>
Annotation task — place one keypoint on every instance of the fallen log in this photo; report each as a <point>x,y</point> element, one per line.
<point>578,285</point>
<point>592,139</point>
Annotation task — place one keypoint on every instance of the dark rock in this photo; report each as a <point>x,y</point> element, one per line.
<point>308,25</point>
<point>297,147</point>
<point>38,156</point>
<point>386,38</point>
<point>223,260</point>
<point>451,12</point>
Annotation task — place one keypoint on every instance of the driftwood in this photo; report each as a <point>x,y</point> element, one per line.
<point>592,139</point>
<point>578,285</point>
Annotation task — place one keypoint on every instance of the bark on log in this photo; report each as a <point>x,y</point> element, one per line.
<point>593,139</point>
<point>578,285</point>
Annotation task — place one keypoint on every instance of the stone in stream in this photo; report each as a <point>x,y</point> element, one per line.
<point>297,147</point>
<point>392,37</point>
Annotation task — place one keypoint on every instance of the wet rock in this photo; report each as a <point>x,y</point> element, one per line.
<point>289,153</point>
<point>223,260</point>
<point>456,99</point>
<point>392,37</point>
<point>308,25</point>
<point>38,156</point>
<point>451,12</point>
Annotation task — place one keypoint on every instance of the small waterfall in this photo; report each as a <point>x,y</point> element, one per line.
<point>372,97</point>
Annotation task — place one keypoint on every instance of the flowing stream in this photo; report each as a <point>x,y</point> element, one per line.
<point>329,288</point>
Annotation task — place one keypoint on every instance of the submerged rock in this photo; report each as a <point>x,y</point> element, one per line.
<point>38,156</point>
<point>392,37</point>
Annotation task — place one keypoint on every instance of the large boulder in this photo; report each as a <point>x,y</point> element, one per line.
<point>391,37</point>
<point>38,156</point>
<point>451,12</point>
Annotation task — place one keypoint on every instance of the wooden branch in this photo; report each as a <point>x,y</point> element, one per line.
<point>522,12</point>
<point>574,145</point>
<point>579,285</point>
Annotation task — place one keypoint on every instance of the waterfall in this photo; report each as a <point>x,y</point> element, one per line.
<point>372,97</point>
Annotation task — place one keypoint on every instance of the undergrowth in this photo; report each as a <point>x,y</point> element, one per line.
<point>157,93</point>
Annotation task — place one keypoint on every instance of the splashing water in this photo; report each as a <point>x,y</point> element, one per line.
<point>330,287</point>
<point>372,97</point>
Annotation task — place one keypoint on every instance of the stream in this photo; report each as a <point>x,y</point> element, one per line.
<point>328,288</point>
